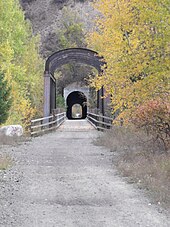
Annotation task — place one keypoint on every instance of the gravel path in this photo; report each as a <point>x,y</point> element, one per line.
<point>63,179</point>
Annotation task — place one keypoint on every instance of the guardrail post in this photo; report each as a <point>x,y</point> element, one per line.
<point>30,127</point>
<point>121,121</point>
<point>99,123</point>
<point>56,120</point>
<point>41,122</point>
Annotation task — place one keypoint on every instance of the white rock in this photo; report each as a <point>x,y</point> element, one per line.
<point>11,130</point>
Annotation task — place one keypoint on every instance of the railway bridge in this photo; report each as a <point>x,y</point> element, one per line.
<point>72,55</point>
<point>74,95</point>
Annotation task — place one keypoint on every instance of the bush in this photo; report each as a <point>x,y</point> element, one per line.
<point>153,117</point>
<point>5,100</point>
<point>60,102</point>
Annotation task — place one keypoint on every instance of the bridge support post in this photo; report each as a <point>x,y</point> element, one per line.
<point>47,81</point>
<point>52,93</point>
<point>100,100</point>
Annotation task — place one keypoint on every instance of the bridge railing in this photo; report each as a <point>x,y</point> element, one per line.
<point>101,122</point>
<point>45,124</point>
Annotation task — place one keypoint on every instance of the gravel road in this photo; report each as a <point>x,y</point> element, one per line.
<point>63,179</point>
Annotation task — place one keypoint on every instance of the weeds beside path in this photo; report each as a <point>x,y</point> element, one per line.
<point>5,161</point>
<point>141,161</point>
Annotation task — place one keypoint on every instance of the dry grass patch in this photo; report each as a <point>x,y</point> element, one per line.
<point>141,160</point>
<point>149,171</point>
<point>7,140</point>
<point>14,140</point>
<point>5,161</point>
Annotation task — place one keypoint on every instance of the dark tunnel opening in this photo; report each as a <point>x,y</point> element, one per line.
<point>79,98</point>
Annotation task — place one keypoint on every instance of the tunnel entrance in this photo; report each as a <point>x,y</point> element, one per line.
<point>76,106</point>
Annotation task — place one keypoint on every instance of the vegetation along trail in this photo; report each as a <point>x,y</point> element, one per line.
<point>63,179</point>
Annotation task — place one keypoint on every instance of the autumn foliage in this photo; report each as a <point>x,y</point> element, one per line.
<point>20,63</point>
<point>153,116</point>
<point>133,37</point>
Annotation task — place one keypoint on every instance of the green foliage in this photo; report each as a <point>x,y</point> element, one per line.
<point>76,111</point>
<point>60,103</point>
<point>20,62</point>
<point>71,35</point>
<point>5,100</point>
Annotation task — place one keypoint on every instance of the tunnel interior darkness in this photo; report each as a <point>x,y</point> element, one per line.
<point>76,97</point>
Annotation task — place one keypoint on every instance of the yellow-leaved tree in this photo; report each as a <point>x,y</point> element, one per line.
<point>134,38</point>
<point>20,63</point>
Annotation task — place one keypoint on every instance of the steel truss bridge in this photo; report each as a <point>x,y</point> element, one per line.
<point>52,118</point>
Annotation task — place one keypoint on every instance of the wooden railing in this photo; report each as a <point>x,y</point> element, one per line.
<point>101,122</point>
<point>44,124</point>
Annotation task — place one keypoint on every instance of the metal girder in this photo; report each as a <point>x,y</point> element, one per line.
<point>81,55</point>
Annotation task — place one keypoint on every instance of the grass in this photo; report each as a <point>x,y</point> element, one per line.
<point>7,140</point>
<point>5,162</point>
<point>151,172</point>
<point>141,161</point>
<point>14,140</point>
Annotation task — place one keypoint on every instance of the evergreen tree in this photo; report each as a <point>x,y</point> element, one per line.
<point>5,100</point>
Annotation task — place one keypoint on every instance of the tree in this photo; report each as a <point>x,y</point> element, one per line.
<point>71,35</point>
<point>21,63</point>
<point>5,99</point>
<point>133,37</point>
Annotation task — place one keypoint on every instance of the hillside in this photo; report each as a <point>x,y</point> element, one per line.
<point>47,18</point>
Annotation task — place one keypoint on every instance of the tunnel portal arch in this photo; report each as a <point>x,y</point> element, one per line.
<point>84,56</point>
<point>76,97</point>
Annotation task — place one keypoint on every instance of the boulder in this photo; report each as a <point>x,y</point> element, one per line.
<point>11,130</point>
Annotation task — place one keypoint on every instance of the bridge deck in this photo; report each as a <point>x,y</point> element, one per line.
<point>76,125</point>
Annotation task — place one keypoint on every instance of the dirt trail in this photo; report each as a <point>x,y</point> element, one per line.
<point>63,179</point>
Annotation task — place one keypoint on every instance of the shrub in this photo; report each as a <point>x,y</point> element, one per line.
<point>153,117</point>
<point>5,100</point>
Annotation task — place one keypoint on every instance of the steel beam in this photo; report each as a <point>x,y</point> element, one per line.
<point>47,81</point>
